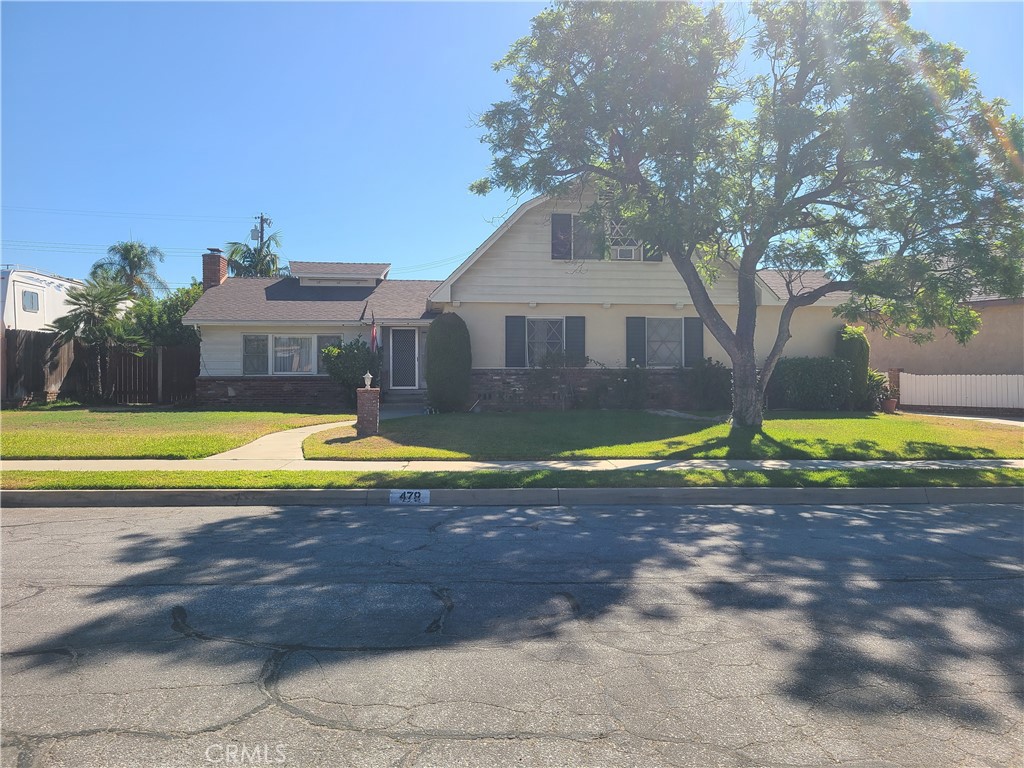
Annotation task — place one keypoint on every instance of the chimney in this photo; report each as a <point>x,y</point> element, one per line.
<point>215,268</point>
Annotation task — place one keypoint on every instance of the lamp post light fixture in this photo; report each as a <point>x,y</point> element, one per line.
<point>367,377</point>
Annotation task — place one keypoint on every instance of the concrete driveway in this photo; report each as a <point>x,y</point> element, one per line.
<point>586,636</point>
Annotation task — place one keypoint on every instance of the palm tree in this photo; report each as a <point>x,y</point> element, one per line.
<point>96,319</point>
<point>132,264</point>
<point>261,261</point>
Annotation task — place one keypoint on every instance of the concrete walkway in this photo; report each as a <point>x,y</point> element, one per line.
<point>276,445</point>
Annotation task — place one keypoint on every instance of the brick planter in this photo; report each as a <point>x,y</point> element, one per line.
<point>268,391</point>
<point>520,389</point>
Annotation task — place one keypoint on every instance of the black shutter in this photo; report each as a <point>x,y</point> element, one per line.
<point>693,341</point>
<point>561,236</point>
<point>636,342</point>
<point>515,341</point>
<point>576,341</point>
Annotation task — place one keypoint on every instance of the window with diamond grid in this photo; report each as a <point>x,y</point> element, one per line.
<point>664,342</point>
<point>543,338</point>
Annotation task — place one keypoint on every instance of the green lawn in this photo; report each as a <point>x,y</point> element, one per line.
<point>860,478</point>
<point>140,432</point>
<point>637,434</point>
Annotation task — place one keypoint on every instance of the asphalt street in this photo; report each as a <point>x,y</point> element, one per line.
<point>754,635</point>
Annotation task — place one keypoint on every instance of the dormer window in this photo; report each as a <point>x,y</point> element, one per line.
<point>571,240</point>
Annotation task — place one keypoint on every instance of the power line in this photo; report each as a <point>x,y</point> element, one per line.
<point>125,214</point>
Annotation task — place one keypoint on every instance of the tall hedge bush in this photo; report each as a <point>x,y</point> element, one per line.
<point>852,346</point>
<point>809,384</point>
<point>449,362</point>
<point>348,363</point>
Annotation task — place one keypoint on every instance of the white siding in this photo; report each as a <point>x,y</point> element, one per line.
<point>518,268</point>
<point>965,391</point>
<point>221,348</point>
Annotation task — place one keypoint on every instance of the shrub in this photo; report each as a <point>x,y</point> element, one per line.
<point>852,346</point>
<point>809,384</point>
<point>449,361</point>
<point>709,384</point>
<point>878,388</point>
<point>348,364</point>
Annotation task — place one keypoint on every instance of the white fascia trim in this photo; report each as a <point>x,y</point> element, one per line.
<point>443,292</point>
<point>275,323</point>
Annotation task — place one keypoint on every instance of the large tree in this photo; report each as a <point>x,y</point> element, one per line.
<point>95,318</point>
<point>806,136</point>
<point>262,260</point>
<point>158,321</point>
<point>133,264</point>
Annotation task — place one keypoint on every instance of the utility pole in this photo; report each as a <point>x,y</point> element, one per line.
<point>264,221</point>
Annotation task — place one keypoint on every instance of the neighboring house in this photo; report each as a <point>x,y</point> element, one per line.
<point>262,336</point>
<point>997,348</point>
<point>535,287</point>
<point>31,299</point>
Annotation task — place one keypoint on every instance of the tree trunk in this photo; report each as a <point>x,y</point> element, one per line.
<point>747,395</point>
<point>98,384</point>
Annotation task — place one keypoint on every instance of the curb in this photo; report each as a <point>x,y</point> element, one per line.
<point>509,497</point>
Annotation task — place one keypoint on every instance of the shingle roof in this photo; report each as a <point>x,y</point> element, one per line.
<point>348,269</point>
<point>803,281</point>
<point>282,299</point>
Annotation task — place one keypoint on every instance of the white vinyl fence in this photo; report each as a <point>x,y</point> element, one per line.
<point>963,390</point>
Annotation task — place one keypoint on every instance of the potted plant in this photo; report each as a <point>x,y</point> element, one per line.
<point>890,400</point>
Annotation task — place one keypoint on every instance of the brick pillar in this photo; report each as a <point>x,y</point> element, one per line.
<point>367,411</point>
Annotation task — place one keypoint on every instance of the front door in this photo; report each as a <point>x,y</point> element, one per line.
<point>404,358</point>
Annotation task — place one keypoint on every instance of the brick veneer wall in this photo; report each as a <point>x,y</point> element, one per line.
<point>268,391</point>
<point>511,389</point>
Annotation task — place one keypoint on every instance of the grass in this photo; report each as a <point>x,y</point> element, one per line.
<point>138,432</point>
<point>860,478</point>
<point>638,435</point>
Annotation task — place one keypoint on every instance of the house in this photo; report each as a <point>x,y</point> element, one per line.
<point>262,336</point>
<point>30,298</point>
<point>997,348</point>
<point>535,286</point>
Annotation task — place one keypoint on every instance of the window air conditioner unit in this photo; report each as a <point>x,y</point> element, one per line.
<point>626,253</point>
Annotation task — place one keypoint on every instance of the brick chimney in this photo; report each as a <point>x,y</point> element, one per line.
<point>215,268</point>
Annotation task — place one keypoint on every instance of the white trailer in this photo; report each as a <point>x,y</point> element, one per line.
<point>32,298</point>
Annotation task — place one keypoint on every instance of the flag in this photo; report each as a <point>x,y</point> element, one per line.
<point>373,334</point>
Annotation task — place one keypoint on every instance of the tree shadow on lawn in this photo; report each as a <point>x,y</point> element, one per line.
<point>574,434</point>
<point>862,610</point>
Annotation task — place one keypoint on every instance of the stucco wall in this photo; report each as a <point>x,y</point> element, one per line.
<point>997,348</point>
<point>813,328</point>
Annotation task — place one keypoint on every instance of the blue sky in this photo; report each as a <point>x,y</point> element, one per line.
<point>350,124</point>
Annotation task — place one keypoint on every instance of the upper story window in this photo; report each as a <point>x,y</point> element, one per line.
<point>30,301</point>
<point>571,239</point>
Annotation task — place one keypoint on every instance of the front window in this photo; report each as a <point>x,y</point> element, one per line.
<point>293,354</point>
<point>543,338</point>
<point>30,301</point>
<point>254,355</point>
<point>664,342</point>
<point>322,343</point>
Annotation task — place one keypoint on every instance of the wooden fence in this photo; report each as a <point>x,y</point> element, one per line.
<point>1005,392</point>
<point>34,370</point>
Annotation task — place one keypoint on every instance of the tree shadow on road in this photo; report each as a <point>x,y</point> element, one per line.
<point>878,605</point>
